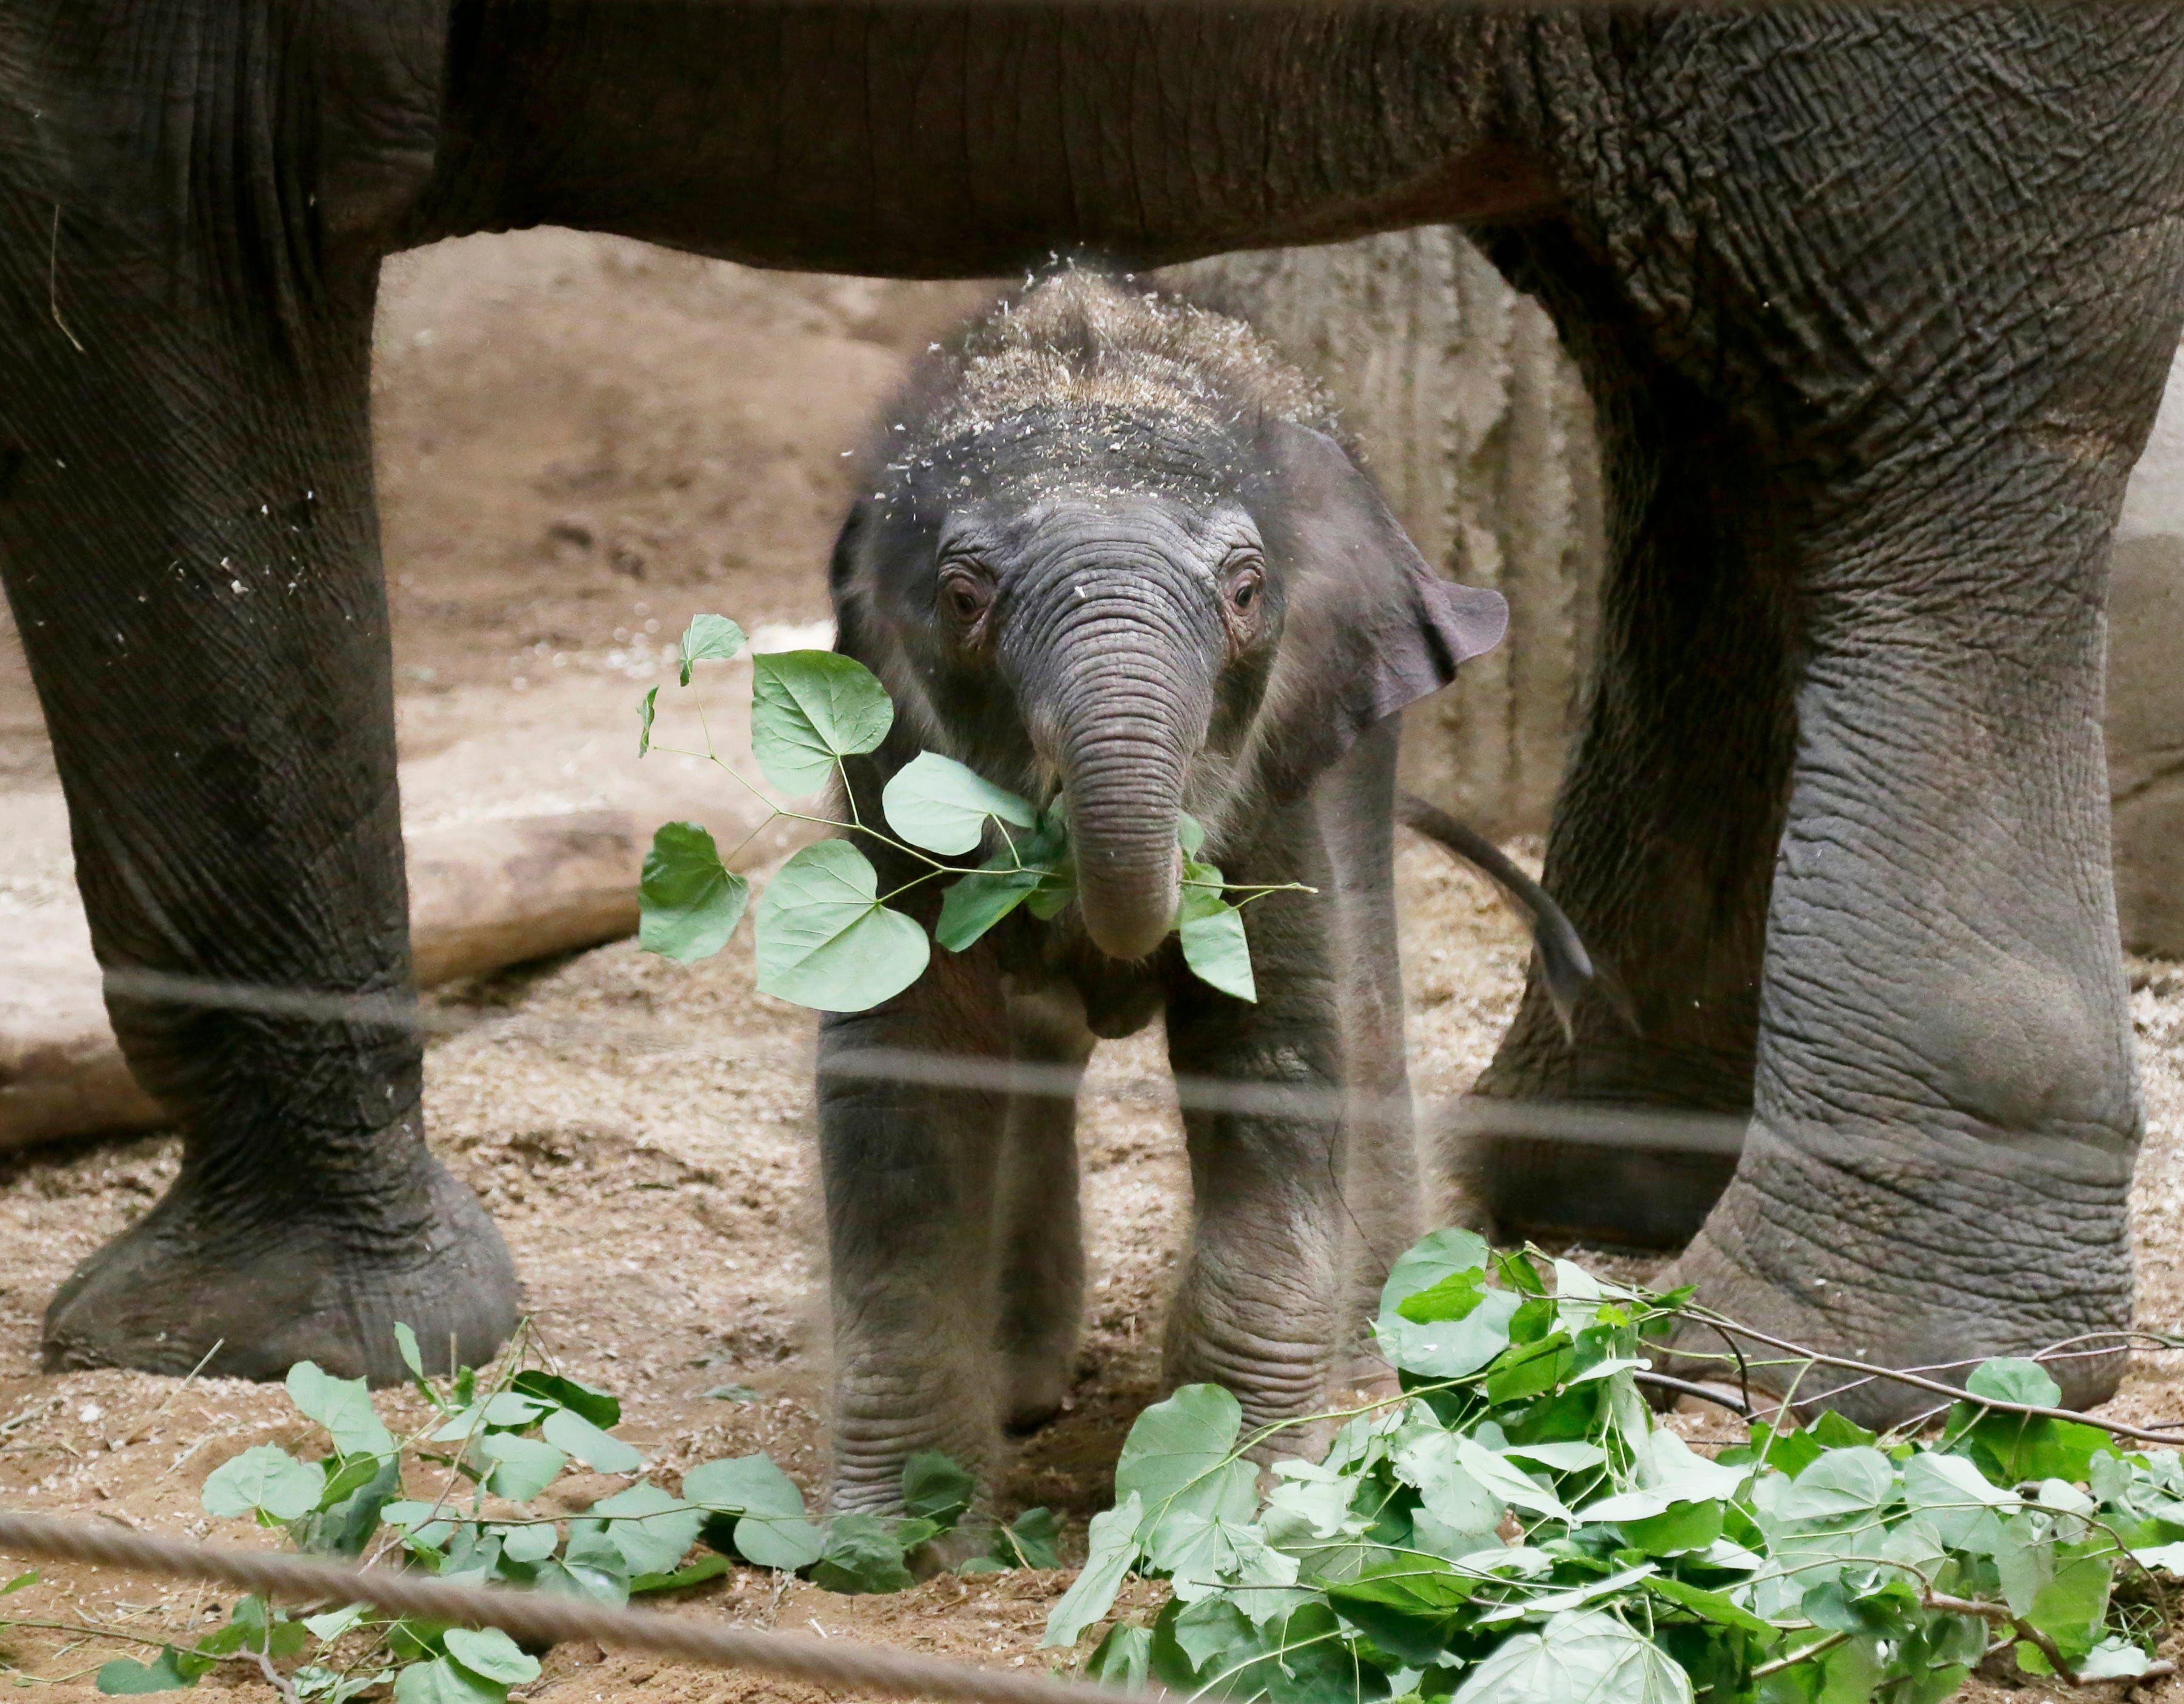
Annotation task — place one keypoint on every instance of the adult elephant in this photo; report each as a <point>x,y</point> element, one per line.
<point>1875,308</point>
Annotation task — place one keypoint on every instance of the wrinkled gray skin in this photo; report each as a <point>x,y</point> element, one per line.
<point>1138,610</point>
<point>1875,309</point>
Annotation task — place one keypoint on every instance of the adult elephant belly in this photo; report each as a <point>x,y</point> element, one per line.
<point>1869,385</point>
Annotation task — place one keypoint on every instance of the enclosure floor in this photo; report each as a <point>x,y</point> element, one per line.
<point>643,1133</point>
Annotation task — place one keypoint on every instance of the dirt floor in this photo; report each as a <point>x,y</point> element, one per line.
<point>582,443</point>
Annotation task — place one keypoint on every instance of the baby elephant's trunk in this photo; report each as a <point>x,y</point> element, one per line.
<point>1131,711</point>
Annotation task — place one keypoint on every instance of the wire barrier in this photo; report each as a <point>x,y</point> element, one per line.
<point>535,1618</point>
<point>1648,1128</point>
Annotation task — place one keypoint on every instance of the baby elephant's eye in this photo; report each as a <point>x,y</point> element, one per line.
<point>1246,582</point>
<point>965,594</point>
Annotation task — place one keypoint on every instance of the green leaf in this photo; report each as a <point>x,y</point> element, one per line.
<point>1122,1657</point>
<point>1032,1540</point>
<point>1532,1370</point>
<point>1715,1605</point>
<point>332,1625</point>
<point>862,1554</point>
<point>164,1673</point>
<point>700,1569</point>
<point>344,1524</point>
<point>522,1467</point>
<point>1677,1530</point>
<point>1452,1298</point>
<point>709,637</point>
<point>1437,1256</point>
<point>772,1532</point>
<point>1454,1348</point>
<point>343,1406</point>
<point>824,940</point>
<point>936,803</point>
<point>526,1542</point>
<point>1190,834</point>
<point>745,1485</point>
<point>651,1529</point>
<point>645,709</point>
<point>1176,1459</point>
<point>1851,1481</point>
<point>2011,1448</point>
<point>689,901</point>
<point>30,1576</point>
<point>2071,1607</point>
<point>1956,1499</point>
<point>488,1652</point>
<point>973,904</point>
<point>934,1489</point>
<point>1212,931</point>
<point>567,1429</point>
<point>1586,1658</point>
<point>265,1480</point>
<point>406,1341</point>
<point>1412,1608</point>
<point>2112,1659</point>
<point>809,708</point>
<point>2009,1378</point>
<point>1209,1554</point>
<point>592,1566</point>
<point>1112,1547</point>
<point>441,1681</point>
<point>573,1393</point>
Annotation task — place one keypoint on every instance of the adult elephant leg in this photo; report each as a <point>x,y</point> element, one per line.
<point>1945,1115</point>
<point>1259,1308</point>
<point>1664,831</point>
<point>909,1169</point>
<point>190,550</point>
<point>1038,1224</point>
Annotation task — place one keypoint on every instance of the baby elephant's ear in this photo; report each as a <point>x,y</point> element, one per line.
<point>1367,627</point>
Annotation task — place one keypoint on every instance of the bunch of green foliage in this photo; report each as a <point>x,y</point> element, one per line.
<point>1515,1528</point>
<point>827,936</point>
<point>505,1440</point>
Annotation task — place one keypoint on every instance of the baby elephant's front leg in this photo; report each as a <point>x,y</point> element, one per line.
<point>908,1168</point>
<point>1258,1309</point>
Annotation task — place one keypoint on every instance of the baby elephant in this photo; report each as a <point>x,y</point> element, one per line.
<point>1112,554</point>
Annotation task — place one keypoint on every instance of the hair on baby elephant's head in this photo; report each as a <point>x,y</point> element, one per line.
<point>1111,549</point>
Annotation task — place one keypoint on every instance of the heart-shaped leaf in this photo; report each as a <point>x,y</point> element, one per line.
<point>342,1406</point>
<point>689,901</point>
<point>265,1479</point>
<point>974,903</point>
<point>709,636</point>
<point>1212,931</point>
<point>809,708</point>
<point>936,803</point>
<point>824,941</point>
<point>488,1652</point>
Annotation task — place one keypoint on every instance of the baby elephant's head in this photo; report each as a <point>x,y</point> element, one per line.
<point>1116,558</point>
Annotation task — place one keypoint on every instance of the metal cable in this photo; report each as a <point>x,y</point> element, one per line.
<point>535,1617</point>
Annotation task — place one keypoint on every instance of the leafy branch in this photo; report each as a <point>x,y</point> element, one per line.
<point>827,936</point>
<point>498,1441</point>
<point>1514,1527</point>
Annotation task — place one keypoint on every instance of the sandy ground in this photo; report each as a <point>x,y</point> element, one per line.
<point>564,484</point>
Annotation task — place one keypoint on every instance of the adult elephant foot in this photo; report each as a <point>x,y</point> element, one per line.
<point>1922,1268</point>
<point>203,1275</point>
